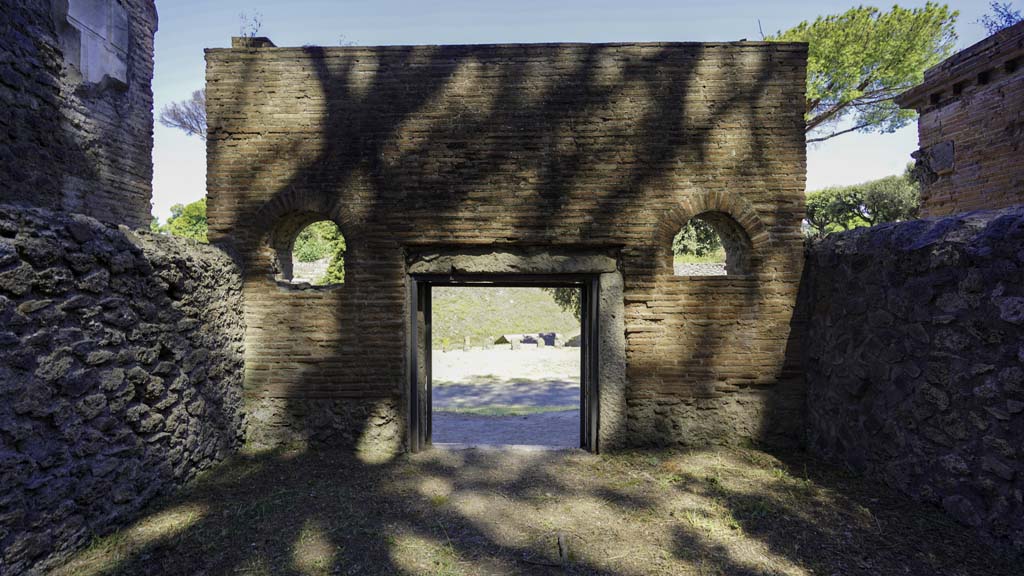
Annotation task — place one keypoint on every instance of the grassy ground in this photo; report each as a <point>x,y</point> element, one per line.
<point>720,511</point>
<point>483,314</point>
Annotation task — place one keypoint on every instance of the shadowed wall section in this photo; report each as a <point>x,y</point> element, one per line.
<point>77,114</point>
<point>568,147</point>
<point>914,362</point>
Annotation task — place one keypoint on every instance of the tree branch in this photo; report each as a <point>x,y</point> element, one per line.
<point>841,132</point>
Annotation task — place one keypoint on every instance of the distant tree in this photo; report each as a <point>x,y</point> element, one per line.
<point>568,298</point>
<point>1003,16</point>
<point>889,199</point>
<point>336,269</point>
<point>187,115</point>
<point>696,237</point>
<point>860,60</point>
<point>187,221</point>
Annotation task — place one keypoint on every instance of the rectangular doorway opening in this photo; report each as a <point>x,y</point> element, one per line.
<point>497,361</point>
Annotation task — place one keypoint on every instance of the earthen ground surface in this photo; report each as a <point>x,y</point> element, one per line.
<point>527,379</point>
<point>473,512</point>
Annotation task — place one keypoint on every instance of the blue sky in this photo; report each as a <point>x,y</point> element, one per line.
<point>189,26</point>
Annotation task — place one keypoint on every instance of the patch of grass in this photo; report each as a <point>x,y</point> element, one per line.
<point>483,314</point>
<point>510,410</point>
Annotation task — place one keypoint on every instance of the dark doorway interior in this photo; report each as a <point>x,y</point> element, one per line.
<point>489,409</point>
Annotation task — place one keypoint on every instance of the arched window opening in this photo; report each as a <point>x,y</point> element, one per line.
<point>711,244</point>
<point>313,255</point>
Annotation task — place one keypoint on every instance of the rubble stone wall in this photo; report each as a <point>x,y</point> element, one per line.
<point>120,375</point>
<point>915,361</point>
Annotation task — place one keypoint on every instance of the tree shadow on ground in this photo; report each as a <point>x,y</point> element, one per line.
<point>717,511</point>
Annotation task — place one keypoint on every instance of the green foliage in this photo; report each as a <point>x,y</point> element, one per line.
<point>709,258</point>
<point>860,60</point>
<point>186,221</point>
<point>697,238</point>
<point>568,299</point>
<point>316,241</point>
<point>336,269</point>
<point>320,240</point>
<point>889,199</point>
<point>697,241</point>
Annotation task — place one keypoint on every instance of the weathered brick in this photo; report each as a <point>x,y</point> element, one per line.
<point>563,146</point>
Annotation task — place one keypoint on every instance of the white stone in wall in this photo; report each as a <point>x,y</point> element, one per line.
<point>104,42</point>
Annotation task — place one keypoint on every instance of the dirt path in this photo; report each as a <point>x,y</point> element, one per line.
<point>533,382</point>
<point>553,429</point>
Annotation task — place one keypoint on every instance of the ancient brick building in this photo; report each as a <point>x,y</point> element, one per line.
<point>971,130</point>
<point>555,160</point>
<point>78,107</point>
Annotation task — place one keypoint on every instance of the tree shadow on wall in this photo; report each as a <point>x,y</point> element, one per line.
<point>388,190</point>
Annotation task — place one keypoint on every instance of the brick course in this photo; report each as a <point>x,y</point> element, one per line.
<point>971,130</point>
<point>562,146</point>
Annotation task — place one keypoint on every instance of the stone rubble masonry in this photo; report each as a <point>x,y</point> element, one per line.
<point>66,143</point>
<point>120,376</point>
<point>506,147</point>
<point>971,129</point>
<point>915,362</point>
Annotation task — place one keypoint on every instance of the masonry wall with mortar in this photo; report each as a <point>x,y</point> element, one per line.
<point>559,146</point>
<point>971,129</point>
<point>120,376</point>
<point>73,142</point>
<point>916,376</point>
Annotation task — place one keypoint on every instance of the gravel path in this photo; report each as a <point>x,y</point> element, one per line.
<point>499,378</point>
<point>554,429</point>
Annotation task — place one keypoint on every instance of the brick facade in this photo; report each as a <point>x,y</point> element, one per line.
<point>565,147</point>
<point>971,130</point>
<point>77,118</point>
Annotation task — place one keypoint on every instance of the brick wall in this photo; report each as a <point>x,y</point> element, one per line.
<point>971,130</point>
<point>78,127</point>
<point>509,146</point>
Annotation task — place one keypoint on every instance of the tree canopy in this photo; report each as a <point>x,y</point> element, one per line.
<point>860,60</point>
<point>187,115</point>
<point>318,240</point>
<point>696,238</point>
<point>321,240</point>
<point>889,199</point>
<point>186,221</point>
